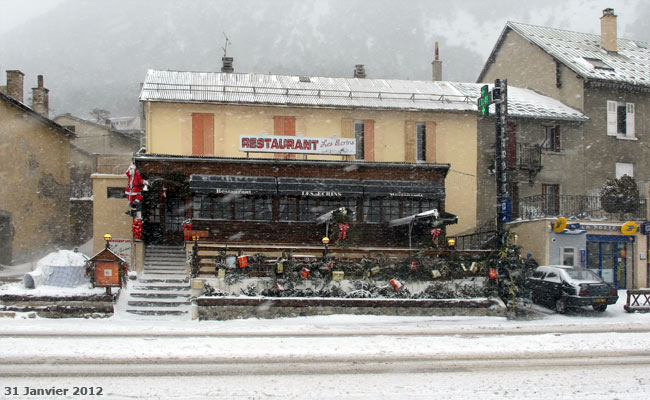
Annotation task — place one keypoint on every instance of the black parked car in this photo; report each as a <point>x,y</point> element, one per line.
<point>563,286</point>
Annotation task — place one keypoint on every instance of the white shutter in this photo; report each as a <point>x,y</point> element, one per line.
<point>611,118</point>
<point>629,120</point>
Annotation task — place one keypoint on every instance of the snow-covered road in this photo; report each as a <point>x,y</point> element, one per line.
<point>577,356</point>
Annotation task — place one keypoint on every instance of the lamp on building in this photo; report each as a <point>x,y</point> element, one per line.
<point>325,241</point>
<point>108,238</point>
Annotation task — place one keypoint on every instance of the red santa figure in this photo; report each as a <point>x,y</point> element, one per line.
<point>134,188</point>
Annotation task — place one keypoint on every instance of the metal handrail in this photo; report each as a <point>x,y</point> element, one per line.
<point>283,91</point>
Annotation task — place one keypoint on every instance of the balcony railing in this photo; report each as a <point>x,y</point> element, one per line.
<point>527,157</point>
<point>584,207</point>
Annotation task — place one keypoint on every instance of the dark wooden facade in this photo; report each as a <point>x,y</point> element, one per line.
<point>183,187</point>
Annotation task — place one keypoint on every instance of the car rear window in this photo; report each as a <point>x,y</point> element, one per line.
<point>582,275</point>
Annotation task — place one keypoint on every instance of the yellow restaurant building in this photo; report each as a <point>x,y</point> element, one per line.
<point>392,121</point>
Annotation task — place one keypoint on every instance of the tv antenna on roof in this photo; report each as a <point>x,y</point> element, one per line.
<point>225,48</point>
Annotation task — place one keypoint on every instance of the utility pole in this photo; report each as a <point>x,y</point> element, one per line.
<point>500,99</point>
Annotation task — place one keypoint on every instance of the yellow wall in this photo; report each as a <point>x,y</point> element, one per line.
<point>35,181</point>
<point>109,214</point>
<point>169,131</point>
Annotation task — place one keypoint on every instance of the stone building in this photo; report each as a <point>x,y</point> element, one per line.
<point>35,173</point>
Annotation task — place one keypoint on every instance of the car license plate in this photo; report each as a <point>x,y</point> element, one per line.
<point>600,300</point>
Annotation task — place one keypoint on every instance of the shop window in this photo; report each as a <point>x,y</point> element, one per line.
<point>288,209</point>
<point>552,138</point>
<point>262,209</point>
<point>201,206</point>
<point>221,208</point>
<point>372,211</point>
<point>381,210</point>
<point>243,207</point>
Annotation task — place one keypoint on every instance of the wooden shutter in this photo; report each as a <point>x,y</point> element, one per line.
<point>410,140</point>
<point>369,140</point>
<point>612,126</point>
<point>347,128</point>
<point>202,134</point>
<point>556,138</point>
<point>430,141</point>
<point>629,120</point>
<point>284,126</point>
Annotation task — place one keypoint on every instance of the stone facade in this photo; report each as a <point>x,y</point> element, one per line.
<point>225,308</point>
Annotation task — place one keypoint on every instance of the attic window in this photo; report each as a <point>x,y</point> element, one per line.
<point>304,79</point>
<point>598,63</point>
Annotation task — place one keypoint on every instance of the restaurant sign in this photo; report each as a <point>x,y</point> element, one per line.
<point>297,144</point>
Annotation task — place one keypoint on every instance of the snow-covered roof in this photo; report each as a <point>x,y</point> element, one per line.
<point>302,91</point>
<point>527,103</point>
<point>582,53</point>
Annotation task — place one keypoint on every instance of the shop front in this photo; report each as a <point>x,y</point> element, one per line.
<point>277,201</point>
<point>607,257</point>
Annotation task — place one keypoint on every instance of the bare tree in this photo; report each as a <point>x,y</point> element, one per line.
<point>100,115</point>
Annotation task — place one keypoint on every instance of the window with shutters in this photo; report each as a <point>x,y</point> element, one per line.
<point>552,138</point>
<point>621,120</point>
<point>551,199</point>
<point>421,141</point>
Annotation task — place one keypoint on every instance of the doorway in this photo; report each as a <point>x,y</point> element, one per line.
<point>608,259</point>
<point>6,237</point>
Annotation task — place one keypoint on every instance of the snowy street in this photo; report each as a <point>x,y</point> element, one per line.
<point>591,355</point>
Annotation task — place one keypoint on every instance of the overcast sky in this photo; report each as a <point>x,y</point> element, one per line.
<point>94,54</point>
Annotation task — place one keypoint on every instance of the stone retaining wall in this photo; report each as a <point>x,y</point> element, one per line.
<point>225,308</point>
<point>96,306</point>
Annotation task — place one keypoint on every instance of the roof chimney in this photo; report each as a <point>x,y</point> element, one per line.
<point>15,81</point>
<point>40,99</point>
<point>436,67</point>
<point>608,37</point>
<point>359,71</point>
<point>227,64</point>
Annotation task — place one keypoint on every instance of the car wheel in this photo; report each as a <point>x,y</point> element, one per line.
<point>560,305</point>
<point>600,307</point>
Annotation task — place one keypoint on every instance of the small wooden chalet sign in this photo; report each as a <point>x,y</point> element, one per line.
<point>107,269</point>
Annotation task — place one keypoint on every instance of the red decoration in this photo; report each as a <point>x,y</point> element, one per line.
<point>435,232</point>
<point>493,273</point>
<point>343,230</point>
<point>243,261</point>
<point>397,285</point>
<point>414,265</point>
<point>304,273</point>
<point>136,228</point>
<point>163,193</point>
<point>187,227</point>
<point>133,190</point>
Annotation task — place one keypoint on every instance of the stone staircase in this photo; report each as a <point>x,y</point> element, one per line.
<point>163,290</point>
